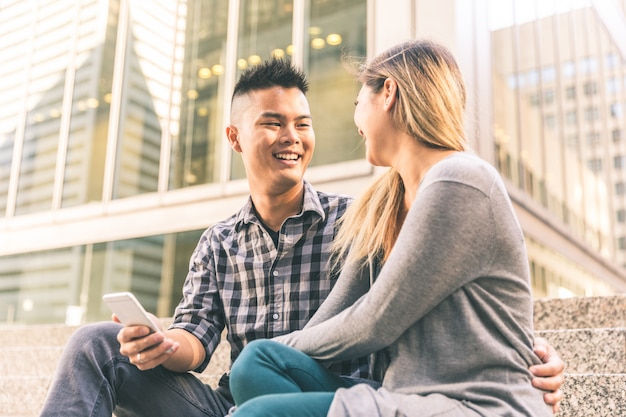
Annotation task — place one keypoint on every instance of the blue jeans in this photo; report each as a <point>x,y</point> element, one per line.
<point>271,379</point>
<point>94,379</point>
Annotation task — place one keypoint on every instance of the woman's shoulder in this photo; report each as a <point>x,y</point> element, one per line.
<point>465,168</point>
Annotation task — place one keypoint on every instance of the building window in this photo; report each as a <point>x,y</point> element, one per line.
<point>612,60</point>
<point>617,111</point>
<point>590,88</point>
<point>616,134</point>
<point>592,114</point>
<point>548,96</point>
<point>612,86</point>
<point>569,69</point>
<point>595,165</point>
<point>534,99</point>
<point>621,215</point>
<point>548,73</point>
<point>588,65</point>
<point>620,188</point>
<point>593,138</point>
<point>342,28</point>
<point>550,120</point>
<point>619,162</point>
<point>621,243</point>
<point>572,140</point>
<point>195,156</point>
<point>532,77</point>
<point>570,92</point>
<point>571,117</point>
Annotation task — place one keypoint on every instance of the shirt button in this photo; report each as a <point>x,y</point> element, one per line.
<point>275,273</point>
<point>275,316</point>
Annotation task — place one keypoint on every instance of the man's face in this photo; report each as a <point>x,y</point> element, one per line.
<point>273,131</point>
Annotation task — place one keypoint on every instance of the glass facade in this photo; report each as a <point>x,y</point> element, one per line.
<point>553,119</point>
<point>198,138</point>
<point>113,158</point>
<point>120,99</point>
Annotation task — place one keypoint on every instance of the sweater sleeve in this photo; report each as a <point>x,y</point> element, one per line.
<point>445,242</point>
<point>345,292</point>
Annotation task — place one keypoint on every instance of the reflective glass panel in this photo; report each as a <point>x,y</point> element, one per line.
<point>153,268</point>
<point>508,82</point>
<point>51,43</point>
<point>15,30</point>
<point>145,113</point>
<point>265,30</point>
<point>196,144</point>
<point>90,106</point>
<point>334,28</point>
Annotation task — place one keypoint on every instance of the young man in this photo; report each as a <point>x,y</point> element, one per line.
<point>260,273</point>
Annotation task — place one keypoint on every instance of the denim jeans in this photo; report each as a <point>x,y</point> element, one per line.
<point>94,379</point>
<point>271,379</point>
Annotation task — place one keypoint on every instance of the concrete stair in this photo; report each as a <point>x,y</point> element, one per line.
<point>30,354</point>
<point>589,334</point>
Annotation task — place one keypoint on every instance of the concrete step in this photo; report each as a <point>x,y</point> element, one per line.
<point>585,395</point>
<point>589,350</point>
<point>589,333</point>
<point>43,334</point>
<point>34,361</point>
<point>580,312</point>
<point>591,395</point>
<point>582,350</point>
<point>22,396</point>
<point>35,335</point>
<point>29,356</point>
<point>42,361</point>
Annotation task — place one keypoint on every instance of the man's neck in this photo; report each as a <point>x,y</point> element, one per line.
<point>274,209</point>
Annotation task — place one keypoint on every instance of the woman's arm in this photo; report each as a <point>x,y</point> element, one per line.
<point>345,292</point>
<point>440,248</point>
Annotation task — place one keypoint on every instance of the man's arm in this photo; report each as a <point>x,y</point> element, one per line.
<point>549,375</point>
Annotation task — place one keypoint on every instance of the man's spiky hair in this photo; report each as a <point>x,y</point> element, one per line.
<point>271,73</point>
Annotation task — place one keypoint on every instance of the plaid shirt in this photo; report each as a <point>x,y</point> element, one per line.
<point>239,279</point>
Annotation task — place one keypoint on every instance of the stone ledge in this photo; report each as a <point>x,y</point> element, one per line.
<point>580,312</point>
<point>22,396</point>
<point>589,350</point>
<point>594,395</point>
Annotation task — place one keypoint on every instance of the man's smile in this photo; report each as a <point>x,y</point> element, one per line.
<point>287,156</point>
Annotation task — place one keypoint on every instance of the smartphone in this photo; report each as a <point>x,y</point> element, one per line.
<point>128,309</point>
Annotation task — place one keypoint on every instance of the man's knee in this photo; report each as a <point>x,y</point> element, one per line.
<point>95,336</point>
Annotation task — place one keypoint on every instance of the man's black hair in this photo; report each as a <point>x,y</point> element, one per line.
<point>271,73</point>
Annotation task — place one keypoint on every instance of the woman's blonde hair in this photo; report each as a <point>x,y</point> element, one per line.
<point>430,103</point>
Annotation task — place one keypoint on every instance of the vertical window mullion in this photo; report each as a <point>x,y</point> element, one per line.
<point>232,37</point>
<point>66,112</point>
<point>20,129</point>
<point>300,16</point>
<point>115,115</point>
<point>166,133</point>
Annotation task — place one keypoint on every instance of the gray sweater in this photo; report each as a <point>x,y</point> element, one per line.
<point>451,308</point>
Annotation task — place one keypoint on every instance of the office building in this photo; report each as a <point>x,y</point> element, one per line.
<point>113,158</point>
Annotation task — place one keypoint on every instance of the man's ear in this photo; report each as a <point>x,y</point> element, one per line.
<point>233,138</point>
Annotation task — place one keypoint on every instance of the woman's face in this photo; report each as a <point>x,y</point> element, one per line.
<point>374,124</point>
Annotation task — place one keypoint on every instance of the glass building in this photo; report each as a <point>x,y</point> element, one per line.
<point>113,157</point>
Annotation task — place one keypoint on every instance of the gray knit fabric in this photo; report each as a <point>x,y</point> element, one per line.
<point>451,308</point>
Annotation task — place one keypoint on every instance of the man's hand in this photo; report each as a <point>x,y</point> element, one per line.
<point>549,375</point>
<point>145,350</point>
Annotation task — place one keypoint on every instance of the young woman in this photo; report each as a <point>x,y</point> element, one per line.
<point>449,313</point>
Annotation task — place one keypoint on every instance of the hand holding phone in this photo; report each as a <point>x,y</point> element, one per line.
<point>128,309</point>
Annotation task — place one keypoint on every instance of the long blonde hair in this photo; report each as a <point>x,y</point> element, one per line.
<point>429,107</point>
